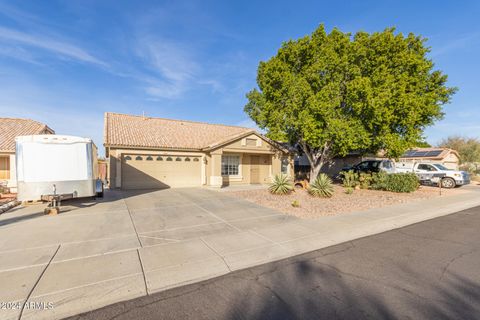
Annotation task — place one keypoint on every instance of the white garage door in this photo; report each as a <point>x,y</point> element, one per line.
<point>153,171</point>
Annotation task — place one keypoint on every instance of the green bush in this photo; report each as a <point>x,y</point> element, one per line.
<point>379,181</point>
<point>295,204</point>
<point>365,180</point>
<point>281,185</point>
<point>321,187</point>
<point>395,182</point>
<point>349,179</point>
<point>402,182</point>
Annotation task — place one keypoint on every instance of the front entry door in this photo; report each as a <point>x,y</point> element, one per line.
<point>254,169</point>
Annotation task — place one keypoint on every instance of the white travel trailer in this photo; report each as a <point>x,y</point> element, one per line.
<point>56,164</point>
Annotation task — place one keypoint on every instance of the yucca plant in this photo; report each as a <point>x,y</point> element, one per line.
<point>321,187</point>
<point>281,185</point>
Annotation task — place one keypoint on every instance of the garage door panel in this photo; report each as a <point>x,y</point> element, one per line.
<point>147,174</point>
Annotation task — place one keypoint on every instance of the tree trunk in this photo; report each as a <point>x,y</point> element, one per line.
<point>316,157</point>
<point>315,170</point>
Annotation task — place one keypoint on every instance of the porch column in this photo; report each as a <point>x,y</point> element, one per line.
<point>12,181</point>
<point>216,179</point>
<point>118,169</point>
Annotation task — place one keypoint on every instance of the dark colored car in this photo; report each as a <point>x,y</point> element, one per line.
<point>370,166</point>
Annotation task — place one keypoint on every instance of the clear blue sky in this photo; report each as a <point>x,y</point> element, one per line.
<point>67,62</point>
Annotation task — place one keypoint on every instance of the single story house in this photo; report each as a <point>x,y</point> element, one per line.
<point>10,128</point>
<point>145,152</point>
<point>448,157</point>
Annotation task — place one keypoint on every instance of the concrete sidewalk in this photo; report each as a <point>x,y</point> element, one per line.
<point>80,275</point>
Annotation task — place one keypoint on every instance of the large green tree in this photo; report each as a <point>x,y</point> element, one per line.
<point>333,93</point>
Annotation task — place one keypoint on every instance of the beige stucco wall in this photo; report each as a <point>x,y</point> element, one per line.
<point>451,161</point>
<point>269,156</point>
<point>244,177</point>
<point>270,161</point>
<point>115,161</point>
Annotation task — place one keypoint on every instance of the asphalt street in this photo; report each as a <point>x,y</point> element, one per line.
<point>430,270</point>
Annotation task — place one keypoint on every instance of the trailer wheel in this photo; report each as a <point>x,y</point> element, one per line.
<point>448,183</point>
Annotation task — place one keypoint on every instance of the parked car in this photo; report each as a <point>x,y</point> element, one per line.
<point>370,166</point>
<point>447,177</point>
<point>451,178</point>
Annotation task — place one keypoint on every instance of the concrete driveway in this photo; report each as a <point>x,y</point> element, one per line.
<point>127,245</point>
<point>135,243</point>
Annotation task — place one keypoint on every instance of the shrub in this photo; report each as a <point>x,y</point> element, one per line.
<point>281,185</point>
<point>349,190</point>
<point>295,204</point>
<point>321,187</point>
<point>349,179</point>
<point>379,181</point>
<point>472,168</point>
<point>402,182</point>
<point>365,180</point>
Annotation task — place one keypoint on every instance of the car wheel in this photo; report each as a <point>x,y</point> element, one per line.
<point>448,183</point>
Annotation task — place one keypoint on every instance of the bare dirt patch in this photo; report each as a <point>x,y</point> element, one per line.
<point>311,207</point>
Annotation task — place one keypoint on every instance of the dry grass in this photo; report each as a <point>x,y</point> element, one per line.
<point>341,202</point>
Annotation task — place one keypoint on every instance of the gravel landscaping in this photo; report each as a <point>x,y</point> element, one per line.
<point>341,202</point>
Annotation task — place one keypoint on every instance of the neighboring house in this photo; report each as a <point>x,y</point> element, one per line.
<point>448,157</point>
<point>10,128</point>
<point>145,152</point>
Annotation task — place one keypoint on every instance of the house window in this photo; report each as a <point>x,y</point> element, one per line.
<point>169,159</point>
<point>285,164</point>
<point>138,158</point>
<point>230,165</point>
<point>159,159</point>
<point>251,142</point>
<point>187,159</point>
<point>178,159</point>
<point>195,160</point>
<point>149,158</point>
<point>128,158</point>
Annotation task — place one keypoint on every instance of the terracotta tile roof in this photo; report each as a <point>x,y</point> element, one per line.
<point>138,131</point>
<point>12,127</point>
